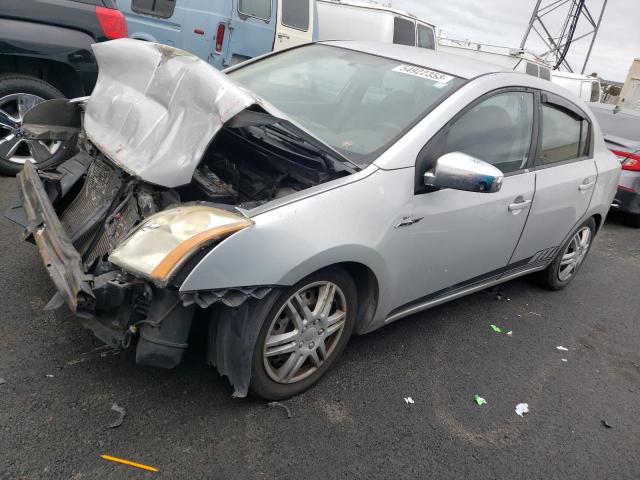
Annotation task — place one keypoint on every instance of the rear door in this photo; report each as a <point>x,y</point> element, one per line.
<point>251,31</point>
<point>565,178</point>
<point>295,23</point>
<point>155,20</point>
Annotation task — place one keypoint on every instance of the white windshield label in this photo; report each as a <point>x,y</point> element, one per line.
<point>424,73</point>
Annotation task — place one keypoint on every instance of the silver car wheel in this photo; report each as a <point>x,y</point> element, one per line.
<point>574,253</point>
<point>305,332</point>
<point>13,147</point>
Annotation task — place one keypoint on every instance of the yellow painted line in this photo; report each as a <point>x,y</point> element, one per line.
<point>127,462</point>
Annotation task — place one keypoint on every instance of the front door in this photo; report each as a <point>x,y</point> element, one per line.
<point>565,177</point>
<point>460,237</point>
<point>295,23</point>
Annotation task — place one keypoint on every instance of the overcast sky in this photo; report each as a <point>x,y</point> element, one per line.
<point>503,22</point>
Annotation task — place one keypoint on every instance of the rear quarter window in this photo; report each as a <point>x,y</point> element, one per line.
<point>404,31</point>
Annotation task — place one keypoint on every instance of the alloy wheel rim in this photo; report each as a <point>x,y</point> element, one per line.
<point>13,146</point>
<point>305,332</point>
<point>574,254</point>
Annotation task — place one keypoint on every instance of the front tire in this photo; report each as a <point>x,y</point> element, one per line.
<point>18,94</point>
<point>570,258</point>
<point>303,334</point>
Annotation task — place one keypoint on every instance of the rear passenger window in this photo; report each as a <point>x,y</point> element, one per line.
<point>565,136</point>
<point>426,38</point>
<point>157,8</point>
<point>404,31</point>
<point>255,8</point>
<point>295,14</point>
<point>498,131</point>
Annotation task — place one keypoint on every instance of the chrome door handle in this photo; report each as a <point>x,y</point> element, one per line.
<point>586,184</point>
<point>519,205</point>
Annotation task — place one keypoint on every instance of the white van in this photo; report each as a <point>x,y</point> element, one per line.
<point>584,87</point>
<point>356,20</point>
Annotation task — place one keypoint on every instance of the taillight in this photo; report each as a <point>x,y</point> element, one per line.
<point>220,37</point>
<point>112,23</point>
<point>630,161</point>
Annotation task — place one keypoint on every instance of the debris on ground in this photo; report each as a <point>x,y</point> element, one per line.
<point>280,405</point>
<point>48,375</point>
<point>495,328</point>
<point>121,413</point>
<point>409,400</point>
<point>536,314</point>
<point>128,462</point>
<point>99,352</point>
<point>497,294</point>
<point>510,332</point>
<point>479,400</point>
<point>522,408</point>
<point>2,381</point>
<point>564,359</point>
<point>606,424</point>
<point>564,349</point>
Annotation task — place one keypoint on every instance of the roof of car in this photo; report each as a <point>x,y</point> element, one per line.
<point>457,65</point>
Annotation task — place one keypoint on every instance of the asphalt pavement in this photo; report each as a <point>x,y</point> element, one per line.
<point>60,386</point>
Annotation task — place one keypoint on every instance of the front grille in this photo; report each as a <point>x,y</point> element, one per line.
<point>84,219</point>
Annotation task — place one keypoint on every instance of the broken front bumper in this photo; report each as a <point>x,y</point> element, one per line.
<point>61,259</point>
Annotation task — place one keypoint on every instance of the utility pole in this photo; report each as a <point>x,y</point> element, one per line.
<point>570,14</point>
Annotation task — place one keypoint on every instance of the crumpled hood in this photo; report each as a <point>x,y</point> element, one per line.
<point>155,109</point>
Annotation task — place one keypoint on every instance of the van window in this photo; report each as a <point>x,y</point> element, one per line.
<point>564,135</point>
<point>255,8</point>
<point>425,37</point>
<point>295,14</point>
<point>595,92</point>
<point>532,69</point>
<point>404,31</point>
<point>157,8</point>
<point>545,73</point>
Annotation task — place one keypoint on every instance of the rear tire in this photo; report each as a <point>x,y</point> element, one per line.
<point>13,87</point>
<point>311,344</point>
<point>570,258</point>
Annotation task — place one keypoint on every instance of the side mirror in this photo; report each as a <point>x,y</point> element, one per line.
<point>460,171</point>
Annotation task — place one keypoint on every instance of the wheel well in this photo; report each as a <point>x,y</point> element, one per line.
<point>598,219</point>
<point>58,74</point>
<point>367,289</point>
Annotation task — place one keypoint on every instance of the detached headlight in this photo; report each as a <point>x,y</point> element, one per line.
<point>162,243</point>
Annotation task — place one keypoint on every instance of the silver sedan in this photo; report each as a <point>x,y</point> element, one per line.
<point>304,196</point>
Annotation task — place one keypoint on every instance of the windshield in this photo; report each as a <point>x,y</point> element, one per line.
<point>358,103</point>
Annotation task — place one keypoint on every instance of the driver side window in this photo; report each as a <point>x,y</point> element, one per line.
<point>497,130</point>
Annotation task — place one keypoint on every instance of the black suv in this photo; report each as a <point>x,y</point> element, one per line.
<point>45,53</point>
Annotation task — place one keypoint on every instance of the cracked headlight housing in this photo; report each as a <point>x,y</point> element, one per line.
<point>161,244</point>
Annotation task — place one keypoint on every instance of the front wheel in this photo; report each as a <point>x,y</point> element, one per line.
<point>303,334</point>
<point>570,258</point>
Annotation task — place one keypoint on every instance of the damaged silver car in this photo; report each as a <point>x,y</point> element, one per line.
<point>302,197</point>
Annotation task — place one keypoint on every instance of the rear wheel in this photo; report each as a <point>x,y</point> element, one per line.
<point>303,334</point>
<point>564,267</point>
<point>18,94</point>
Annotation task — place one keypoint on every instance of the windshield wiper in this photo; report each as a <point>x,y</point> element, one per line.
<point>328,158</point>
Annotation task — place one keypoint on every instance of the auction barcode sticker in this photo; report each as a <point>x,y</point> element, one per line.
<point>424,73</point>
